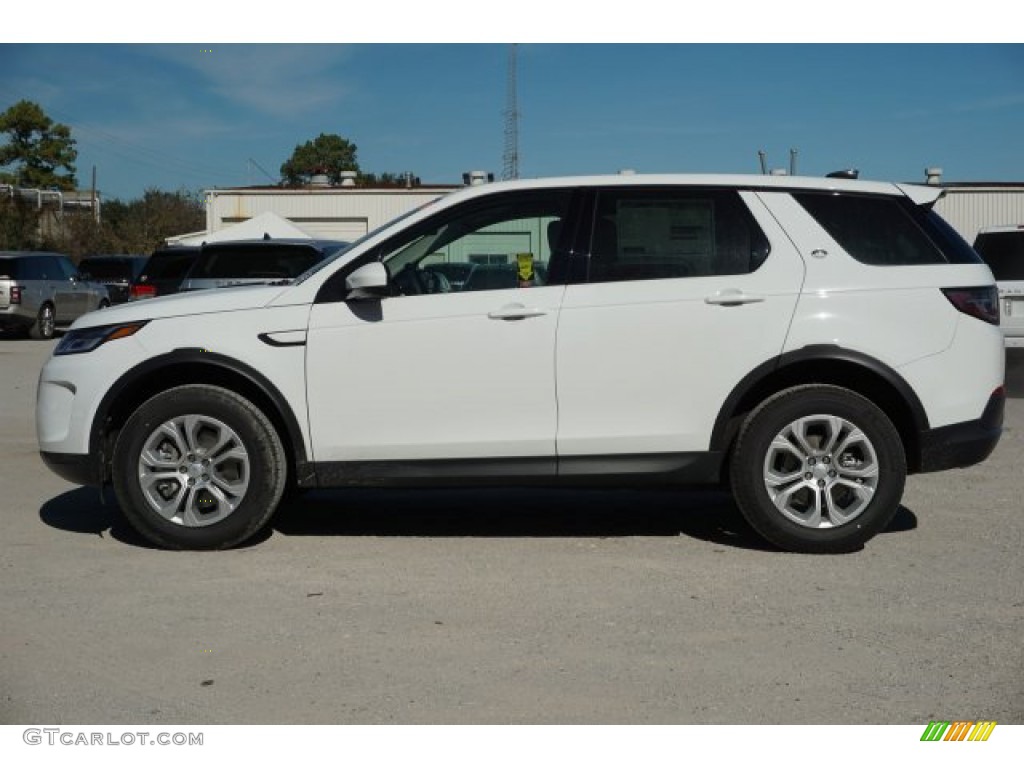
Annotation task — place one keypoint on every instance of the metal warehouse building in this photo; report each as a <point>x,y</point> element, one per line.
<point>338,213</point>
<point>970,206</point>
<point>348,212</point>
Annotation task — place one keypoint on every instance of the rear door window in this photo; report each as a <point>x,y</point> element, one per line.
<point>39,268</point>
<point>650,234</point>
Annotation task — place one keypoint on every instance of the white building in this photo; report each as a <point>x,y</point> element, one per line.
<point>348,212</point>
<point>337,213</point>
<point>970,206</point>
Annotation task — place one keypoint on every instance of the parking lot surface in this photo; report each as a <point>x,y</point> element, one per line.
<point>508,605</point>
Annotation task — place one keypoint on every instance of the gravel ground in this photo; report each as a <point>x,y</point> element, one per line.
<point>508,606</point>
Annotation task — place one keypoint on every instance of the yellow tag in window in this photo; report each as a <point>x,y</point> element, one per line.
<point>525,262</point>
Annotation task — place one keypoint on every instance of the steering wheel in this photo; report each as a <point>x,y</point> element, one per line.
<point>411,281</point>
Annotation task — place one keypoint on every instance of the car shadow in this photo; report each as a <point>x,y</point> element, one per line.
<point>706,515</point>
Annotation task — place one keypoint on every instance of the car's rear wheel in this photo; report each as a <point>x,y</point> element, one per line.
<point>45,323</point>
<point>818,469</point>
<point>198,467</point>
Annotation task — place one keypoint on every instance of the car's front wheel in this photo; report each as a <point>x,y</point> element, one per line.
<point>818,469</point>
<point>198,467</point>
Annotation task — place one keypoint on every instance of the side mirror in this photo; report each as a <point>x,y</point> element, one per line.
<point>369,281</point>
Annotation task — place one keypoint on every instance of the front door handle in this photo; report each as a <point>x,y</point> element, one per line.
<point>516,312</point>
<point>731,297</point>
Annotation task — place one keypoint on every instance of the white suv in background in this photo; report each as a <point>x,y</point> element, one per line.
<point>1002,248</point>
<point>808,342</point>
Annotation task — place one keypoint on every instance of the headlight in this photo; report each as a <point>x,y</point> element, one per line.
<point>87,339</point>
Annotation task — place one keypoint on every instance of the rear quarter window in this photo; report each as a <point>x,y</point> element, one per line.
<point>879,231</point>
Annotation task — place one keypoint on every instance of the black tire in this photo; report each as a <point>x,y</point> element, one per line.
<point>246,453</point>
<point>103,304</point>
<point>45,325</point>
<point>825,500</point>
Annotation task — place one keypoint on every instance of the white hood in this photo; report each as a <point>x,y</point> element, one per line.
<point>181,304</point>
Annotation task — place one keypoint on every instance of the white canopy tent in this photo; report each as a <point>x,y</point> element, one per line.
<point>266,225</point>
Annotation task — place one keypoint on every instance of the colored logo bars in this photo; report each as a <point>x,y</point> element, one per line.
<point>960,730</point>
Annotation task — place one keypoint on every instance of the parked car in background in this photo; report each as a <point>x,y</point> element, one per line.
<point>40,291</point>
<point>116,271</point>
<point>163,272</point>
<point>1002,248</point>
<point>244,262</point>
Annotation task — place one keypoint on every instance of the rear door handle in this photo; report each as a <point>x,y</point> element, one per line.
<point>516,312</point>
<point>732,297</point>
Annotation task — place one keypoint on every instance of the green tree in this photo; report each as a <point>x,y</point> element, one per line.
<point>328,153</point>
<point>139,226</point>
<point>18,225</point>
<point>37,149</point>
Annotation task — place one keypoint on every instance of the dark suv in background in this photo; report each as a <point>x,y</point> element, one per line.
<point>116,272</point>
<point>163,272</point>
<point>244,262</point>
<point>41,290</point>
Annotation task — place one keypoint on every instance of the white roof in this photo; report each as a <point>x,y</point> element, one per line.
<point>267,224</point>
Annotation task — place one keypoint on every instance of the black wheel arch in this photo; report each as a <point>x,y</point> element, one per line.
<point>827,364</point>
<point>195,366</point>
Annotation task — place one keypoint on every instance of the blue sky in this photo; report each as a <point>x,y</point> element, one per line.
<point>200,115</point>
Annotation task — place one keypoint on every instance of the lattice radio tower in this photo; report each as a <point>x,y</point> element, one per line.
<point>510,160</point>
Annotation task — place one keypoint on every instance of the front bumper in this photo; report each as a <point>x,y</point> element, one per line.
<point>77,468</point>
<point>966,443</point>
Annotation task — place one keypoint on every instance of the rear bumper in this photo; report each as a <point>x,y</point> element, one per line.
<point>77,468</point>
<point>967,443</point>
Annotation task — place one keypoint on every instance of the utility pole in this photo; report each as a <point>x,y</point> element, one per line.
<point>510,161</point>
<point>92,198</point>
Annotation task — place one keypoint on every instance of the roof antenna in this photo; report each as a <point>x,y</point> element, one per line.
<point>266,235</point>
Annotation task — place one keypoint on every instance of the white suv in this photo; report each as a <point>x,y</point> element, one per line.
<point>808,342</point>
<point>1002,248</point>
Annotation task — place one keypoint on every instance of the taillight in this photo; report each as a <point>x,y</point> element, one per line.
<point>982,303</point>
<point>142,291</point>
<point>15,294</point>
